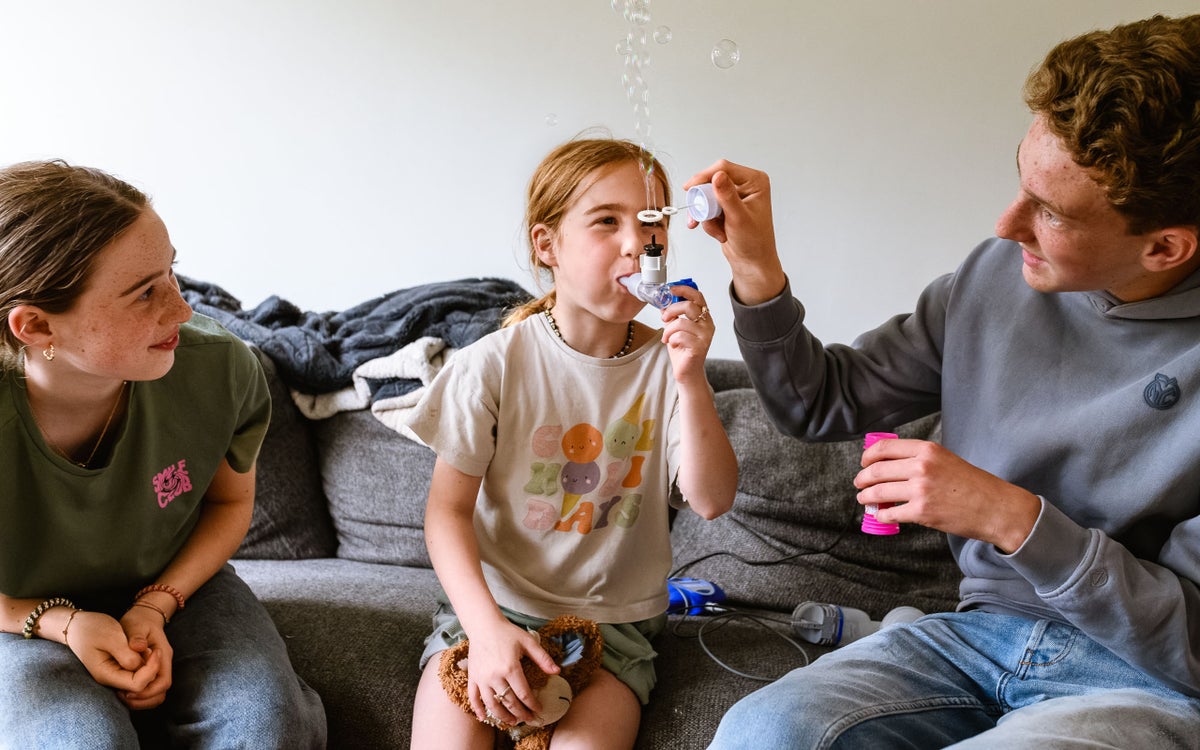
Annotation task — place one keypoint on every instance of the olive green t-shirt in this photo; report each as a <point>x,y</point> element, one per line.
<point>70,531</point>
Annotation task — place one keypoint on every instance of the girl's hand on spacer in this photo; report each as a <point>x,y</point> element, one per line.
<point>688,333</point>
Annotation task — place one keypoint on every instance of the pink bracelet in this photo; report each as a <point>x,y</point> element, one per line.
<point>164,588</point>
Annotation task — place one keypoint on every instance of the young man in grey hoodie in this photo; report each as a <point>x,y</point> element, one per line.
<point>1064,356</point>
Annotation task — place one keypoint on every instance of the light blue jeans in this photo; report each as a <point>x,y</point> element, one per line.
<point>972,681</point>
<point>232,686</point>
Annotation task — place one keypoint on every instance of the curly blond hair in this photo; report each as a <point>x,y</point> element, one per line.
<point>1126,104</point>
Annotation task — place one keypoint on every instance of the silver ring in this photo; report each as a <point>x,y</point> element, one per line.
<point>500,696</point>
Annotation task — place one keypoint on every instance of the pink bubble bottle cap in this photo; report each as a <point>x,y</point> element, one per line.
<point>869,524</point>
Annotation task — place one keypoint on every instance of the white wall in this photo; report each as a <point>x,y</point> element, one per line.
<point>331,151</point>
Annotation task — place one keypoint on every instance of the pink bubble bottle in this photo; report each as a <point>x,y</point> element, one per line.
<point>869,524</point>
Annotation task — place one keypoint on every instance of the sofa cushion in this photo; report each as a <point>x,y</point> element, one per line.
<point>726,374</point>
<point>376,481</point>
<point>355,633</point>
<point>793,533</point>
<point>291,518</point>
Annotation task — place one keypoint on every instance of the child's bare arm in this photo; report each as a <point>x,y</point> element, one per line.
<point>708,470</point>
<point>496,683</point>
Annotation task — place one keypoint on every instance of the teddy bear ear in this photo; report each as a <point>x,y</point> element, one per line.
<point>579,671</point>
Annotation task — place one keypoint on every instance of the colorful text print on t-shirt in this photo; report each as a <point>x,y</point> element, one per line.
<point>172,482</point>
<point>588,503</point>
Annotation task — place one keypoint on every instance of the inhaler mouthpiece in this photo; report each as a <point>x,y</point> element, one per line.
<point>658,295</point>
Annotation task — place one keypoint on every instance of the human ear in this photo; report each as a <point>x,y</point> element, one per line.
<point>541,237</point>
<point>1171,247</point>
<point>29,324</point>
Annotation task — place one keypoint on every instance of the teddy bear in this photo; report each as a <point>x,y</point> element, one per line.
<point>554,692</point>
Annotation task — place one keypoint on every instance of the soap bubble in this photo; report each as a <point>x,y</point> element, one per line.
<point>625,47</point>
<point>638,11</point>
<point>662,34</point>
<point>551,120</point>
<point>726,54</point>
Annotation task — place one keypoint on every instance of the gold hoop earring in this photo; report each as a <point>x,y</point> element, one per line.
<point>49,353</point>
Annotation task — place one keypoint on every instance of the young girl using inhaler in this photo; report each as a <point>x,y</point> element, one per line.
<point>129,430</point>
<point>558,440</point>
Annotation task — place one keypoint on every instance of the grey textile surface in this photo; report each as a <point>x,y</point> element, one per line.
<point>377,482</point>
<point>793,533</point>
<point>291,516</point>
<point>355,633</point>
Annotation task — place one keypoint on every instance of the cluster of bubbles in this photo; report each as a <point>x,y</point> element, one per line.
<point>635,49</point>
<point>725,53</point>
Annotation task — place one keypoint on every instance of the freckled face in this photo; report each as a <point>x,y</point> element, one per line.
<point>600,240</point>
<point>125,325</point>
<point>1071,238</point>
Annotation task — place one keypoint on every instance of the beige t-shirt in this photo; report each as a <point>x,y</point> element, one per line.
<point>577,455</point>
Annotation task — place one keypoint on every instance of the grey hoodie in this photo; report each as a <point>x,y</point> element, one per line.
<point>1091,404</point>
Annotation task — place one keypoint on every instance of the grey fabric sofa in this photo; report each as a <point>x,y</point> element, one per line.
<point>337,555</point>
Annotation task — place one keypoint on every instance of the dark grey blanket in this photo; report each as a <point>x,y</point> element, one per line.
<point>317,352</point>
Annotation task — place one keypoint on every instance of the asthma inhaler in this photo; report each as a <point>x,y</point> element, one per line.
<point>651,284</point>
<point>869,524</point>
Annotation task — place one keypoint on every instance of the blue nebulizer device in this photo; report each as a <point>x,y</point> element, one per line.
<point>692,596</point>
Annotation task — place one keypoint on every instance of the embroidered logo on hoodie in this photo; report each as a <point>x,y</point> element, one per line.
<point>1162,392</point>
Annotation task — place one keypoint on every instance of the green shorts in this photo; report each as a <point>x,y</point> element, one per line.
<point>627,650</point>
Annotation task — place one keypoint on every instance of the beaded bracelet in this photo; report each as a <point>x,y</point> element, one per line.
<point>179,600</point>
<point>39,610</point>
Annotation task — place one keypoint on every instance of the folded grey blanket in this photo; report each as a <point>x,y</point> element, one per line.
<point>317,352</point>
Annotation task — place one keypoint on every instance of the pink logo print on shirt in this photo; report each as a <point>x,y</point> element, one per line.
<point>172,482</point>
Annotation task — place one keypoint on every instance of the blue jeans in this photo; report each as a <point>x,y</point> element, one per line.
<point>232,686</point>
<point>971,680</point>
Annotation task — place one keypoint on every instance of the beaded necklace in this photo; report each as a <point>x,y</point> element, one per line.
<point>624,349</point>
